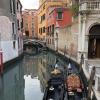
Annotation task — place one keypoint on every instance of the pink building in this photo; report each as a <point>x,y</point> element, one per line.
<point>19,26</point>
<point>30,23</point>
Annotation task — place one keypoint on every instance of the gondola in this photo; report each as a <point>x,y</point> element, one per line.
<point>55,89</point>
<point>75,87</point>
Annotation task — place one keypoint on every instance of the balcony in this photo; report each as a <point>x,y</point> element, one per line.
<point>90,6</point>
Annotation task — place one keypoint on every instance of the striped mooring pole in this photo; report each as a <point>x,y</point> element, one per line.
<point>1,62</point>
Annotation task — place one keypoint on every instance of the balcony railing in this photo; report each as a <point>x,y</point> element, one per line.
<point>90,5</point>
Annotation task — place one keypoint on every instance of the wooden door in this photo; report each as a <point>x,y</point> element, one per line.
<point>90,49</point>
<point>98,48</point>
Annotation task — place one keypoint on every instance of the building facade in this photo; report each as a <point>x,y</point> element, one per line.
<point>83,38</point>
<point>56,15</point>
<point>8,29</point>
<point>42,18</point>
<point>30,24</point>
<point>42,1</point>
<point>89,38</point>
<point>19,27</point>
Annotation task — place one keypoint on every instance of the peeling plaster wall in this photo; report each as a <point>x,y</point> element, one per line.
<point>6,41</point>
<point>68,38</point>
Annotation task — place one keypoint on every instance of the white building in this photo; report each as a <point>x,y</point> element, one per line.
<point>89,38</point>
<point>19,27</point>
<point>8,29</point>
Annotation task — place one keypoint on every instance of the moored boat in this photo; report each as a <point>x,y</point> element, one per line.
<point>55,89</point>
<point>74,87</point>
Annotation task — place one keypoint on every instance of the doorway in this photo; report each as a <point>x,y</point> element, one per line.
<point>94,42</point>
<point>27,33</point>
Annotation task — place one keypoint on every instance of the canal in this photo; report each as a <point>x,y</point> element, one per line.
<point>26,79</point>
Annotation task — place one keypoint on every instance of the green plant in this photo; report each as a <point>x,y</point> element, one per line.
<point>75,10</point>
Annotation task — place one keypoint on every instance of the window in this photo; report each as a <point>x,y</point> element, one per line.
<point>13,28</point>
<point>26,26</point>
<point>18,42</point>
<point>53,29</point>
<point>43,29</point>
<point>18,23</point>
<point>33,32</point>
<point>42,17</point>
<point>12,6</point>
<point>14,44</point>
<point>22,23</point>
<point>59,15</point>
<point>17,5</point>
<point>14,9</point>
<point>50,28</point>
<point>39,30</point>
<point>32,25</point>
<point>32,19</point>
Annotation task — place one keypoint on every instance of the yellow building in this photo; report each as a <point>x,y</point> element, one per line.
<point>41,2</point>
<point>44,5</point>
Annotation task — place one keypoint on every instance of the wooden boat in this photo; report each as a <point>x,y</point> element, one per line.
<point>55,89</point>
<point>74,87</point>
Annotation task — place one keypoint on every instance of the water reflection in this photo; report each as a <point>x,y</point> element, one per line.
<point>12,84</point>
<point>27,79</point>
<point>39,66</point>
<point>32,88</point>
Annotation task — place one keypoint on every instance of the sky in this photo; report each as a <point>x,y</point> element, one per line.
<point>30,4</point>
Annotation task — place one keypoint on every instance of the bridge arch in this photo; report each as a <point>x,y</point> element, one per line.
<point>38,45</point>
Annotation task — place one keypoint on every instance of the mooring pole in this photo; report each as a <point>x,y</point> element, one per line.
<point>91,82</point>
<point>1,62</point>
<point>81,62</point>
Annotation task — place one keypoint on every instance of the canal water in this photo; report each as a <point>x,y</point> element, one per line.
<point>26,79</point>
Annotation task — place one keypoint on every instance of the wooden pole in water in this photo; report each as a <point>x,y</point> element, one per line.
<point>91,82</point>
<point>1,62</point>
<point>81,62</point>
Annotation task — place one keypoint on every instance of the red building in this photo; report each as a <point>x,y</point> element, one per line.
<point>61,16</point>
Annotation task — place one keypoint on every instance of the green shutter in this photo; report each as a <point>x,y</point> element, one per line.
<point>59,10</point>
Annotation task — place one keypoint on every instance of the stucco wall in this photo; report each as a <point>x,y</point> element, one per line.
<point>68,38</point>
<point>9,52</point>
<point>5,28</point>
<point>6,42</point>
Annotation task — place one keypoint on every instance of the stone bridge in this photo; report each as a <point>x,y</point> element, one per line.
<point>34,43</point>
